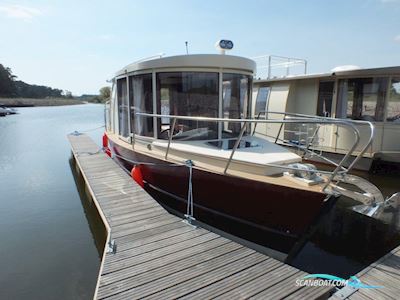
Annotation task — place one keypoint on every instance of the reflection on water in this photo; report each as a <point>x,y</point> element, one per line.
<point>47,249</point>
<point>346,241</point>
<point>96,225</point>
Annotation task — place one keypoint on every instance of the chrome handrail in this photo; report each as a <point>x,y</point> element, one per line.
<point>358,157</point>
<point>303,120</point>
<point>272,121</point>
<point>242,130</point>
<point>171,133</point>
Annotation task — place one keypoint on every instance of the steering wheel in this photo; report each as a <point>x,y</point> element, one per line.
<point>165,130</point>
<point>181,127</point>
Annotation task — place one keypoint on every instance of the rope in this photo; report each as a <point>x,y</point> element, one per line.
<point>189,210</point>
<point>93,129</point>
<point>189,164</point>
<point>89,153</point>
<point>135,162</point>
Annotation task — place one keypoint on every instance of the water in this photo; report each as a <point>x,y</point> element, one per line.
<point>48,249</point>
<point>345,242</point>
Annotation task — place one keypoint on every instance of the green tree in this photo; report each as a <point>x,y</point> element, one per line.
<point>105,93</point>
<point>7,86</point>
<point>68,94</point>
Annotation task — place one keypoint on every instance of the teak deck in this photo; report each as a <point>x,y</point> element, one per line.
<point>385,272</point>
<point>160,257</point>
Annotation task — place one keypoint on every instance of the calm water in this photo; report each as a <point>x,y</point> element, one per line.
<point>345,242</point>
<point>47,248</point>
<point>52,237</point>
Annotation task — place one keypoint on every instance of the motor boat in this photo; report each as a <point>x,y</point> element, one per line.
<point>184,127</point>
<point>7,111</point>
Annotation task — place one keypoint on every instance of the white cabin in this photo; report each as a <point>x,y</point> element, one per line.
<point>346,93</point>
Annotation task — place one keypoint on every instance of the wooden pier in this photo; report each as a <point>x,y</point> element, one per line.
<point>385,272</point>
<point>160,257</point>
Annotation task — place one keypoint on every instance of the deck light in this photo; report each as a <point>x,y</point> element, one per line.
<point>224,45</point>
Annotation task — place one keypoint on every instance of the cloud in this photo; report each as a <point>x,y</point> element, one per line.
<point>19,12</point>
<point>397,38</point>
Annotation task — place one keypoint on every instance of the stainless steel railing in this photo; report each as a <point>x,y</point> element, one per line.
<point>296,115</point>
<point>298,119</point>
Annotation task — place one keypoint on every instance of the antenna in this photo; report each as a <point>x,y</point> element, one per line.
<point>187,50</point>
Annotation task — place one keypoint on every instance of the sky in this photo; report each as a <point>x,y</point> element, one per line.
<point>78,45</point>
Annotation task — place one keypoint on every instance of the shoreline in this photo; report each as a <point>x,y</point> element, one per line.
<point>33,102</point>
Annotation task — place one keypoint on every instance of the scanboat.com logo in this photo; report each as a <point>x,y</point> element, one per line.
<point>330,280</point>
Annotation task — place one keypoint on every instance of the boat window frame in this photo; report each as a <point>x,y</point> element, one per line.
<point>183,75</point>
<point>121,137</point>
<point>154,72</point>
<point>247,107</point>
<point>388,96</point>
<point>347,77</point>
<point>113,105</point>
<point>132,102</point>
<point>332,104</point>
<point>257,94</point>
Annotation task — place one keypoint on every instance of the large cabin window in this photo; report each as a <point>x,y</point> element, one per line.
<point>393,106</point>
<point>187,94</point>
<point>262,99</point>
<point>362,98</point>
<point>141,98</point>
<point>236,98</point>
<point>123,107</point>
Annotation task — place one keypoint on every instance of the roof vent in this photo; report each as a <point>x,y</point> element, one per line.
<point>345,68</point>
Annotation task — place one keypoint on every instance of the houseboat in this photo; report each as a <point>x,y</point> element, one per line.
<point>347,92</point>
<point>184,127</point>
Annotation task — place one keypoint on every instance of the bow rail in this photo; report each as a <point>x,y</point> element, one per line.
<point>294,119</point>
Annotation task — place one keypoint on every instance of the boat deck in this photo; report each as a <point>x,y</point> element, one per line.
<point>385,272</point>
<point>159,256</point>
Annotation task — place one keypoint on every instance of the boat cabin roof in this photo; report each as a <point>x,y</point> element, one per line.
<point>384,71</point>
<point>192,61</point>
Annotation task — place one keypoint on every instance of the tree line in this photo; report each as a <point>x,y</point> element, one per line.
<point>10,87</point>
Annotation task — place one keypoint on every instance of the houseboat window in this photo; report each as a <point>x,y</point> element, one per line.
<point>107,115</point>
<point>123,107</point>
<point>262,99</point>
<point>362,98</point>
<point>236,97</point>
<point>141,98</point>
<point>325,96</point>
<point>393,106</point>
<point>188,94</point>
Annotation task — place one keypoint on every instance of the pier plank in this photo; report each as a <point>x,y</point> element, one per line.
<point>160,257</point>
<point>385,272</point>
<point>155,270</point>
<point>233,281</point>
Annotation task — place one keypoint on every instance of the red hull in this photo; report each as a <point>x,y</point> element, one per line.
<point>271,215</point>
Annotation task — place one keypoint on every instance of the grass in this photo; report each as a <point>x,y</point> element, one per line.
<point>15,102</point>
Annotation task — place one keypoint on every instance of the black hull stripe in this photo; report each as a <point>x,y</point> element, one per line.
<point>223,214</point>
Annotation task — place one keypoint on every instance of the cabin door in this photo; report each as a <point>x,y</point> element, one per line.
<point>261,96</point>
<point>325,97</point>
<point>277,103</point>
<point>325,138</point>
